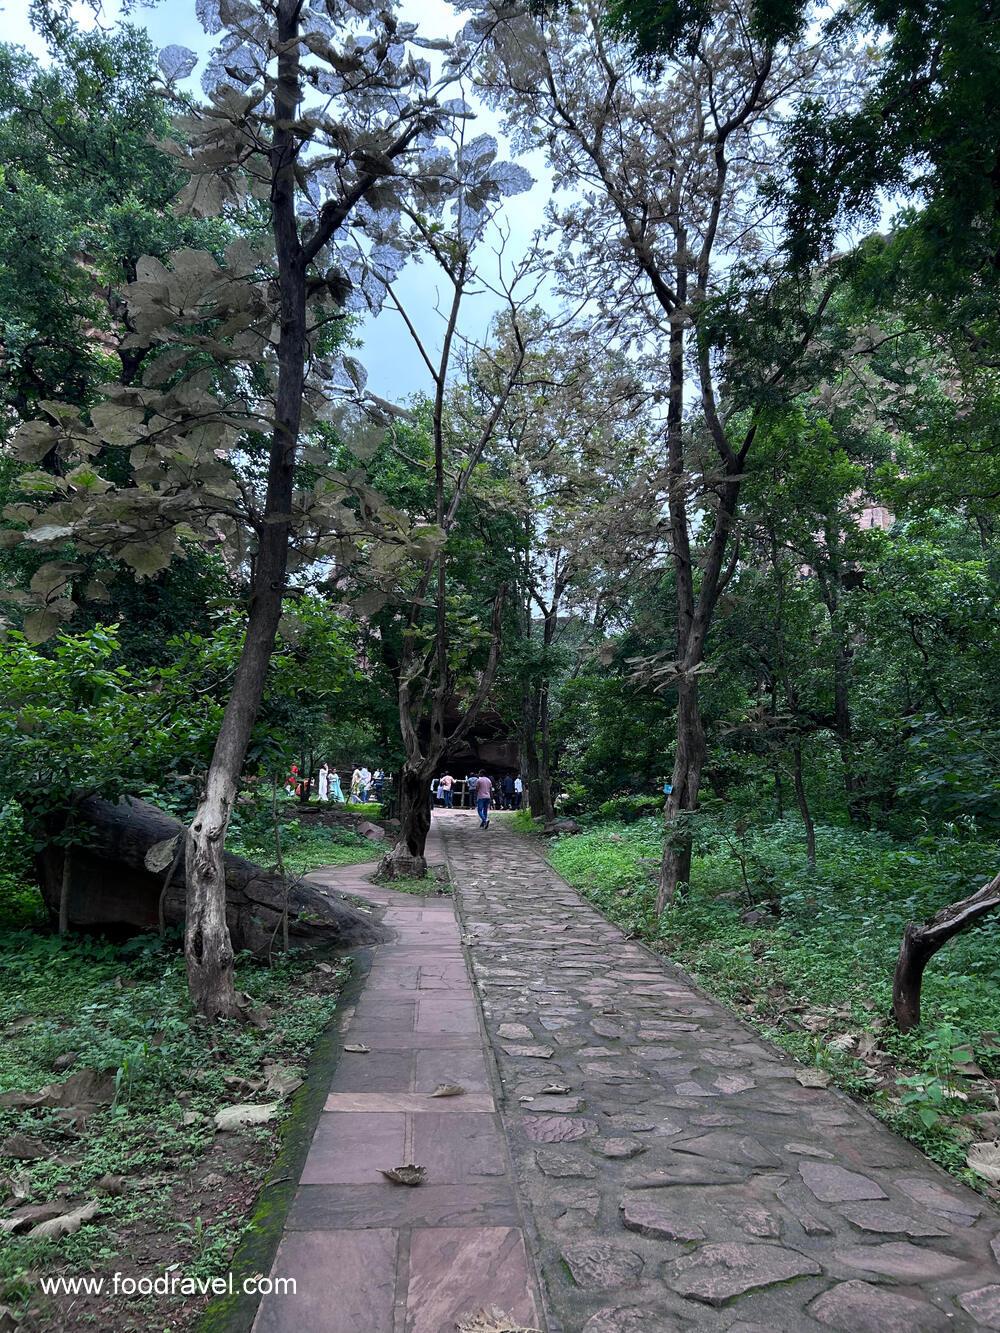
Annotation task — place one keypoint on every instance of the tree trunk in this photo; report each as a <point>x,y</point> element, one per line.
<point>546,801</point>
<point>207,946</point>
<point>529,734</point>
<point>407,858</point>
<point>803,803</point>
<point>685,783</point>
<point>64,889</point>
<point>113,888</point>
<point>921,943</point>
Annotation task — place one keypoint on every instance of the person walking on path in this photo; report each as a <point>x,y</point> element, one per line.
<point>507,787</point>
<point>518,792</point>
<point>484,796</point>
<point>336,790</point>
<point>470,785</point>
<point>446,784</point>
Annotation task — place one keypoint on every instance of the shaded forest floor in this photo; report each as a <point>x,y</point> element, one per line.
<point>807,957</point>
<point>136,1144</point>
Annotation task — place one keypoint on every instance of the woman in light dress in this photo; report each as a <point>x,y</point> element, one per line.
<point>336,791</point>
<point>356,784</point>
<point>323,782</point>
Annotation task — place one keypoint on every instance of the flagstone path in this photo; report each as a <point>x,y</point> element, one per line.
<point>623,1138</point>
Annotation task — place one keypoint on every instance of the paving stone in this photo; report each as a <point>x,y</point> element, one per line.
<point>604,1027</point>
<point>637,1124</point>
<point>659,1221</point>
<point>859,1307</point>
<point>558,1128</point>
<point>599,1266</point>
<point>678,1170</point>
<point>835,1184</point>
<point>883,1217</point>
<point>619,1147</point>
<point>564,1166</point>
<point>808,1150</point>
<point>960,1209</point>
<point>530,1052</point>
<point>758,1221</point>
<point>739,1149</point>
<point>716,1273</point>
<point>515,1031</point>
<point>983,1304</point>
<point>453,1271</point>
<point>901,1260</point>
<point>630,1319</point>
<point>543,1105</point>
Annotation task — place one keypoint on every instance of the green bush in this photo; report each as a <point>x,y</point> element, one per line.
<point>637,805</point>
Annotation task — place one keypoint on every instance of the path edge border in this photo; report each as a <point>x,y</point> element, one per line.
<point>256,1252</point>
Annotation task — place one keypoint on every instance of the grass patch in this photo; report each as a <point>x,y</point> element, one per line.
<point>306,846</point>
<point>178,1193</point>
<point>817,978</point>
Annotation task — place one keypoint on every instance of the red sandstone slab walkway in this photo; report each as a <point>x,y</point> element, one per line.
<point>369,1256</point>
<point>623,1135</point>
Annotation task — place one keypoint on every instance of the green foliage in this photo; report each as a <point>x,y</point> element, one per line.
<point>817,976</point>
<point>126,1011</point>
<point>303,846</point>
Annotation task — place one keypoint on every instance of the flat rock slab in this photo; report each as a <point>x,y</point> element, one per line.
<point>630,1319</point>
<point>984,1305</point>
<point>859,1307</point>
<point>900,1260</point>
<point>647,1217</point>
<point>716,1273</point>
<point>600,1266</point>
<point>835,1184</point>
<point>558,1128</point>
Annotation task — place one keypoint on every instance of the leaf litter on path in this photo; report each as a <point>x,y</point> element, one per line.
<point>492,1320</point>
<point>448,1090</point>
<point>409,1174</point>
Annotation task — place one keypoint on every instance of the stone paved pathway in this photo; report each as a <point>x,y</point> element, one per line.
<point>680,1177</point>
<point>368,1256</point>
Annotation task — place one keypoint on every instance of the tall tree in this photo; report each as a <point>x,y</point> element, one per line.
<point>668,237</point>
<point>260,322</point>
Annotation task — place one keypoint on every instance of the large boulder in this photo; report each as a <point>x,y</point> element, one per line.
<point>112,885</point>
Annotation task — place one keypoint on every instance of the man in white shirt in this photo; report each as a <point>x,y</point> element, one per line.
<point>518,792</point>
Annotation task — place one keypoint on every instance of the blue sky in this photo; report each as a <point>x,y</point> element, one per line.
<point>394,367</point>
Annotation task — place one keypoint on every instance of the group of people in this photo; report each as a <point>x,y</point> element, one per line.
<point>365,785</point>
<point>507,794</point>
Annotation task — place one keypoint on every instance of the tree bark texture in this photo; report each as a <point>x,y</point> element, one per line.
<point>921,943</point>
<point>207,945</point>
<point>111,887</point>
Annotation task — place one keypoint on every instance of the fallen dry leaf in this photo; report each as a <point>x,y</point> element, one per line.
<point>235,1117</point>
<point>24,1148</point>
<point>280,1080</point>
<point>984,1159</point>
<point>410,1174</point>
<point>813,1078</point>
<point>357,1048</point>
<point>448,1090</point>
<point>86,1087</point>
<point>556,1089</point>
<point>66,1225</point>
<point>490,1321</point>
<point>844,1042</point>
